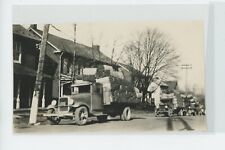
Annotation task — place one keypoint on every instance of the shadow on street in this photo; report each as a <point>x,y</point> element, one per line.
<point>186,125</point>
<point>169,124</point>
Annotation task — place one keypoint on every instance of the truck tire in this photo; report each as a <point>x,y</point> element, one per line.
<point>102,118</point>
<point>126,114</point>
<point>81,115</point>
<point>53,120</point>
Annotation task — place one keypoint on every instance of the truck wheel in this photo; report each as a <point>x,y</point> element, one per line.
<point>170,113</point>
<point>81,115</point>
<point>53,120</point>
<point>126,114</point>
<point>102,118</point>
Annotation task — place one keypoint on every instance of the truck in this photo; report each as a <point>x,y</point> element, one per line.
<point>107,96</point>
<point>166,105</point>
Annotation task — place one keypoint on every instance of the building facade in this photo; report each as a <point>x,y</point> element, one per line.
<point>64,60</point>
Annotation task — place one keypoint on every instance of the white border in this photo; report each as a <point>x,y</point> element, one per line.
<point>205,141</point>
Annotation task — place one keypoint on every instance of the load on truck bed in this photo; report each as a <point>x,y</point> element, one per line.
<point>117,91</point>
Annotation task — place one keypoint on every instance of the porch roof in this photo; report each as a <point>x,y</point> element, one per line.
<point>25,71</point>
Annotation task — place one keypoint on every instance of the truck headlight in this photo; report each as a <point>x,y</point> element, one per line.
<point>70,101</point>
<point>53,103</point>
<point>166,106</point>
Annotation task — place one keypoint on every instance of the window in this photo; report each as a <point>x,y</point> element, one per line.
<point>67,66</point>
<point>17,50</point>
<point>81,89</point>
<point>84,89</point>
<point>75,90</point>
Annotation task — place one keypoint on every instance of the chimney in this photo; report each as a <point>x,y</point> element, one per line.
<point>96,48</point>
<point>33,26</point>
<point>96,52</point>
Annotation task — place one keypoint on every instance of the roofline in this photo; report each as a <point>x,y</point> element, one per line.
<point>17,34</point>
<point>57,49</point>
<point>123,67</point>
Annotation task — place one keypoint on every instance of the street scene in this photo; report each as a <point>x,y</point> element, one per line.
<point>109,77</point>
<point>140,122</point>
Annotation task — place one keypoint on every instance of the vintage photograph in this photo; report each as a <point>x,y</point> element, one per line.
<point>105,76</point>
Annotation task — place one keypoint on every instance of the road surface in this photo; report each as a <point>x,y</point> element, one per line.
<point>141,122</point>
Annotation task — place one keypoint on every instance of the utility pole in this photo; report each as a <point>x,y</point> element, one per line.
<point>74,54</point>
<point>39,77</point>
<point>186,67</point>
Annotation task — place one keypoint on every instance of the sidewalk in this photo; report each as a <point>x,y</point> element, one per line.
<point>21,117</point>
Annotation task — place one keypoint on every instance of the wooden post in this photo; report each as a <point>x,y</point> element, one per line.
<point>18,96</point>
<point>39,77</point>
<point>74,54</point>
<point>43,97</point>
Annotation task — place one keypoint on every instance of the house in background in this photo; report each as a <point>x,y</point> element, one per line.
<point>25,63</point>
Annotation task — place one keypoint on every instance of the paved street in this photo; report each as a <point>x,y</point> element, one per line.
<point>141,121</point>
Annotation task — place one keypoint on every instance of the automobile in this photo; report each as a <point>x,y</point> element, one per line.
<point>166,108</point>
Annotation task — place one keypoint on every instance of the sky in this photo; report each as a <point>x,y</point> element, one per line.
<point>186,36</point>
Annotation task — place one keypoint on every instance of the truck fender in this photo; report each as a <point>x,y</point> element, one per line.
<point>76,105</point>
<point>50,107</point>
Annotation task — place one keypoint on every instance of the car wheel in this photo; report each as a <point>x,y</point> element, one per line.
<point>81,115</point>
<point>126,114</point>
<point>53,120</point>
<point>195,113</point>
<point>102,118</point>
<point>156,114</point>
<point>170,113</point>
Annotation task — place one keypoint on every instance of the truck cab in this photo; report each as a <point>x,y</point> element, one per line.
<point>166,105</point>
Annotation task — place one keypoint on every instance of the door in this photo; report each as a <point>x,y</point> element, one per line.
<point>97,97</point>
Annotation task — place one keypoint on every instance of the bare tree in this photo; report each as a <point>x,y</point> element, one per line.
<point>149,55</point>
